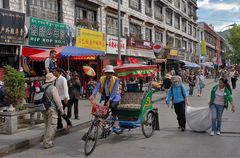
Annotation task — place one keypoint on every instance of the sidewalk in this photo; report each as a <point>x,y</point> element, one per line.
<point>26,138</point>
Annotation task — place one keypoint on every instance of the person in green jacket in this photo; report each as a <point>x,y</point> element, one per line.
<point>220,97</point>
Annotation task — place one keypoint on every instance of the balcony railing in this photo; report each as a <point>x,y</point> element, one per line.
<point>85,23</point>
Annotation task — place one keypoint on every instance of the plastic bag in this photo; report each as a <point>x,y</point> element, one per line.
<point>199,118</point>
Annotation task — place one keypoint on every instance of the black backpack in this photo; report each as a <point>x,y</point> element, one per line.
<point>45,101</point>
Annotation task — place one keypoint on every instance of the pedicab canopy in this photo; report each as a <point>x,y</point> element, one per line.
<point>135,70</point>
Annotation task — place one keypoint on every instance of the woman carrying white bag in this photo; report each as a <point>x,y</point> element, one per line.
<point>220,97</point>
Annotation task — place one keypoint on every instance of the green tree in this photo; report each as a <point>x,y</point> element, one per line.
<point>234,41</point>
<point>14,82</point>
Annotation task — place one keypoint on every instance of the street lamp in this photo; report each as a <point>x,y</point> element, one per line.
<point>119,31</point>
<point>231,25</point>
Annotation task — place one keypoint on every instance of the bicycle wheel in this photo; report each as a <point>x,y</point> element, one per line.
<point>91,139</point>
<point>148,125</point>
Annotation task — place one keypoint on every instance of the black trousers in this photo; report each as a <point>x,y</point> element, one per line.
<point>65,117</point>
<point>180,111</point>
<point>233,80</point>
<point>72,102</point>
<point>113,106</point>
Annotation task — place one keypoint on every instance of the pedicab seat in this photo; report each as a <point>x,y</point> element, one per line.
<point>130,106</point>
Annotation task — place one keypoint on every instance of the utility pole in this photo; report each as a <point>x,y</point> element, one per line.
<point>119,30</point>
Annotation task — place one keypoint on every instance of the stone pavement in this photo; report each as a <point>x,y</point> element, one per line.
<point>26,138</point>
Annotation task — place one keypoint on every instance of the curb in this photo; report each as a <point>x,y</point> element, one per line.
<point>37,139</point>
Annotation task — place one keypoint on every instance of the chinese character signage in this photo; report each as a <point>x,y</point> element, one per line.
<point>46,33</point>
<point>91,39</point>
<point>112,45</point>
<point>11,27</point>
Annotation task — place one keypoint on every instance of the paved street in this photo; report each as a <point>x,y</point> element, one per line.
<point>169,142</point>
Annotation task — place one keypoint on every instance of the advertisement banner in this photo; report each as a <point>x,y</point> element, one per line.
<point>203,48</point>
<point>173,52</point>
<point>90,39</point>
<point>112,45</point>
<point>46,33</point>
<point>11,27</point>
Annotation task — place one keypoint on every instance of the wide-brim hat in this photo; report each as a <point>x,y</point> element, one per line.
<point>50,77</point>
<point>168,76</point>
<point>109,68</point>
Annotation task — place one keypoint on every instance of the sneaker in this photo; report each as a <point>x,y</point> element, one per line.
<point>218,132</point>
<point>212,133</point>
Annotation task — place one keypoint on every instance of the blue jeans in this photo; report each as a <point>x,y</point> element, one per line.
<point>217,111</point>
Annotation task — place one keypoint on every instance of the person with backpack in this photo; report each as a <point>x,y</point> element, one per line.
<point>178,94</point>
<point>52,104</point>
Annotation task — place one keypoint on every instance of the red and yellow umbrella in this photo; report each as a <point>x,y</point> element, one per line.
<point>89,71</point>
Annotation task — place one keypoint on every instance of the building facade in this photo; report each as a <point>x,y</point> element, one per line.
<point>214,44</point>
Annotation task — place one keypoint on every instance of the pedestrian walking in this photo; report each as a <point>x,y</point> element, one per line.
<point>50,116</point>
<point>178,94</point>
<point>50,63</point>
<point>200,82</point>
<point>166,83</point>
<point>234,76</point>
<point>220,97</point>
<point>62,87</point>
<point>74,86</point>
<point>192,82</point>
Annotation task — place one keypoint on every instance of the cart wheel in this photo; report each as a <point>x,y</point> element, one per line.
<point>148,125</point>
<point>91,139</point>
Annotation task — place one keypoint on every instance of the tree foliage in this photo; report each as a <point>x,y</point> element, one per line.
<point>234,41</point>
<point>14,86</point>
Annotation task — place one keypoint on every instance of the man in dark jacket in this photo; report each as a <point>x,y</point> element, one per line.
<point>74,86</point>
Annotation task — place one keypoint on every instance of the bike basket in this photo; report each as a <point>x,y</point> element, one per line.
<point>99,110</point>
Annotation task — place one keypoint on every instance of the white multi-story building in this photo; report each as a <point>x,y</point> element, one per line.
<point>172,22</point>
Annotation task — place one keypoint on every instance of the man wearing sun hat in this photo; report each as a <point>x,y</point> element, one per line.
<point>50,115</point>
<point>108,87</point>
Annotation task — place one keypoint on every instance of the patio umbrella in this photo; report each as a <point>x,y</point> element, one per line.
<point>135,70</point>
<point>89,71</point>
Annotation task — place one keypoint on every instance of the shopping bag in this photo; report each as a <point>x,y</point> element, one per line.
<point>199,119</point>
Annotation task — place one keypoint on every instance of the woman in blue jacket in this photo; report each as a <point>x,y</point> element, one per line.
<point>177,93</point>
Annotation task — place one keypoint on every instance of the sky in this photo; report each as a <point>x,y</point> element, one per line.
<point>219,13</point>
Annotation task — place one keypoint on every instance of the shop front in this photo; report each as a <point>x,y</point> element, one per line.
<point>12,36</point>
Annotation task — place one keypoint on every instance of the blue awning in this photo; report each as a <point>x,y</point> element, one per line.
<point>75,51</point>
<point>190,64</point>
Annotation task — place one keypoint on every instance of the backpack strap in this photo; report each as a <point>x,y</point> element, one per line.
<point>45,92</point>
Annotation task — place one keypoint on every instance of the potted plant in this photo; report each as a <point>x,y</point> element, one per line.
<point>14,87</point>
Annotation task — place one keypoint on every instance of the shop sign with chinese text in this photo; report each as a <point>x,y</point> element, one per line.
<point>90,39</point>
<point>46,33</point>
<point>112,45</point>
<point>11,27</point>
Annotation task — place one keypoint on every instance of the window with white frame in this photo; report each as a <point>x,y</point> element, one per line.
<point>184,44</point>
<point>85,14</point>
<point>184,25</point>
<point>158,36</point>
<point>183,6</point>
<point>194,32</point>
<point>169,40</point>
<point>177,3</point>
<point>148,34</point>
<point>45,9</point>
<point>177,21</point>
<point>194,48</point>
<point>189,29</point>
<point>177,43</point>
<point>169,16</point>
<point>1,3</point>
<point>158,12</point>
<point>135,4</point>
<point>148,7</point>
<point>112,25</point>
<point>135,31</point>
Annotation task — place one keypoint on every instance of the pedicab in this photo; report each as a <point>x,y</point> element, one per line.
<point>135,109</point>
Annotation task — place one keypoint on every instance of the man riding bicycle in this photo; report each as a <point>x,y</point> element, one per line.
<point>108,87</point>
